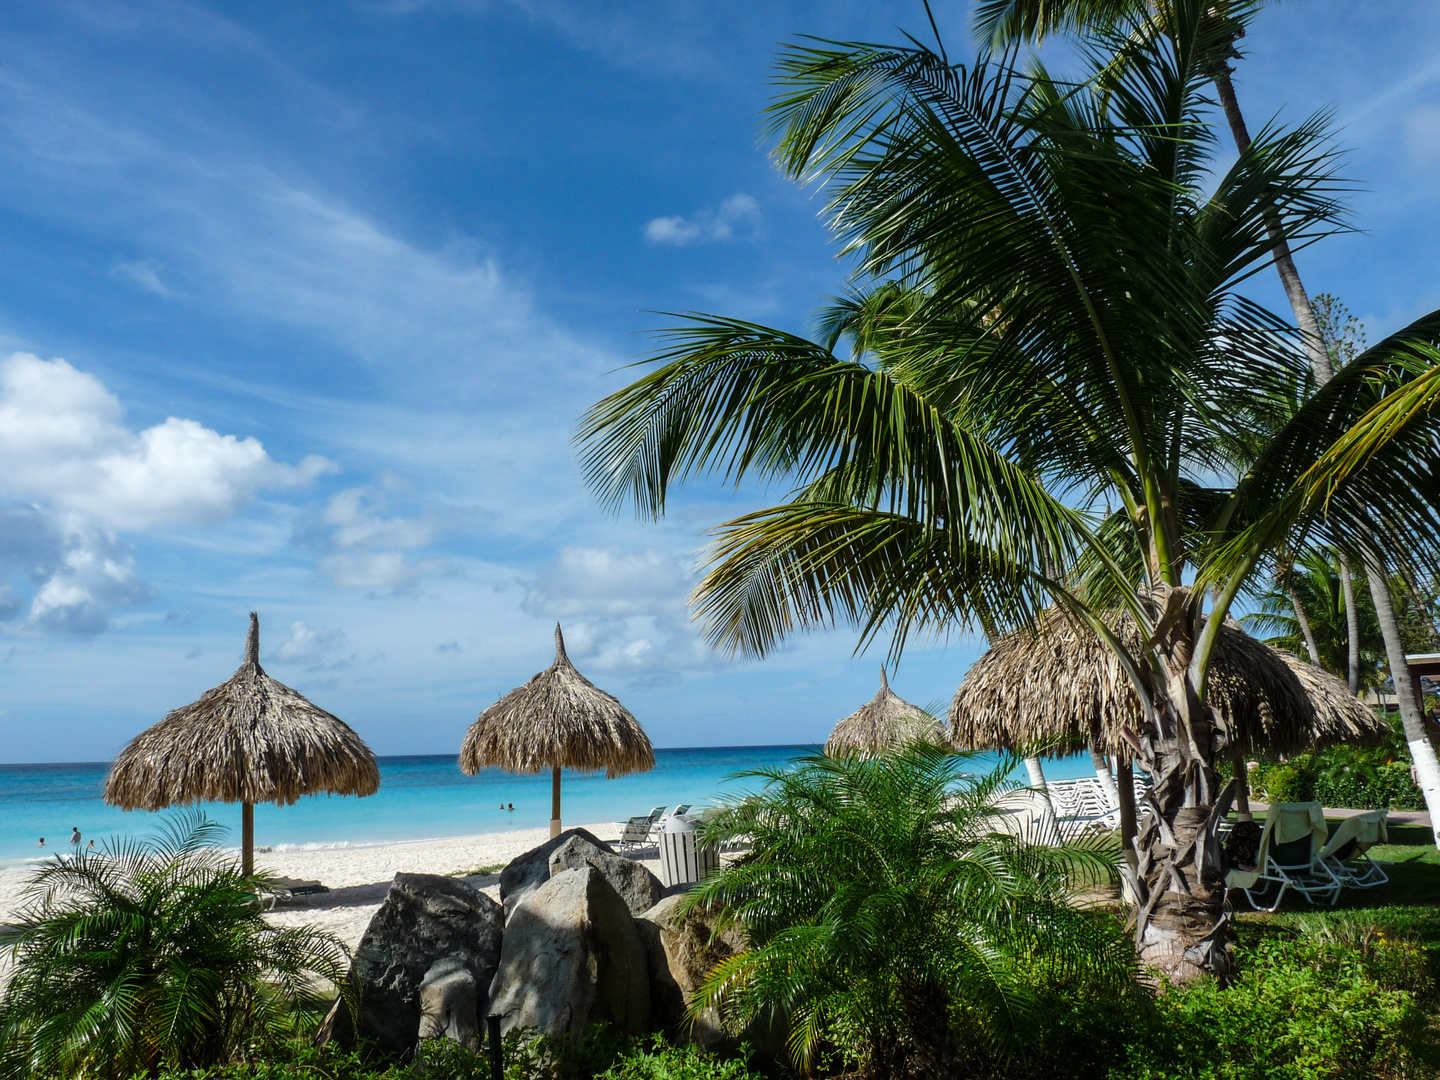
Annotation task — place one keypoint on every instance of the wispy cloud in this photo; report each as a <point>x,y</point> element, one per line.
<point>736,218</point>
<point>144,273</point>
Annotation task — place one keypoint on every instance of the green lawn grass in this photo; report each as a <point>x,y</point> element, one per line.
<point>1408,903</point>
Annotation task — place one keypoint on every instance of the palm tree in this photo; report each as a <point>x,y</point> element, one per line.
<point>1314,584</point>
<point>892,921</point>
<point>153,954</point>
<point>1046,319</point>
<point>1004,21</point>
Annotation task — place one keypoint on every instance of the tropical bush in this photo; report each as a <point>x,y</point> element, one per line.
<point>1342,999</point>
<point>153,954</point>
<point>1359,777</point>
<point>895,924</point>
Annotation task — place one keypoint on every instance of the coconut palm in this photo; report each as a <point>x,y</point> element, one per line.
<point>153,954</point>
<point>1315,586</point>
<point>892,921</point>
<point>1003,21</point>
<point>1047,322</point>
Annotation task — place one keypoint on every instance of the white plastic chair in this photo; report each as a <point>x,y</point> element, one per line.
<point>1288,859</point>
<point>1346,854</point>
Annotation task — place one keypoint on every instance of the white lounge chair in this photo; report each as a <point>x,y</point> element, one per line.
<point>1288,859</point>
<point>1346,853</point>
<point>635,835</point>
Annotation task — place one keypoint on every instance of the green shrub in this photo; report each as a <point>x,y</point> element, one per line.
<point>150,955</point>
<point>1341,999</point>
<point>1289,782</point>
<point>661,1061</point>
<point>296,1063</point>
<point>893,923</point>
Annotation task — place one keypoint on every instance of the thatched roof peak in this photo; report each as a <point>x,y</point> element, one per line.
<point>884,722</point>
<point>1059,686</point>
<point>250,740</point>
<point>558,719</point>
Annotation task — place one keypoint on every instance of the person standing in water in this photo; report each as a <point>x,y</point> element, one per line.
<point>75,835</point>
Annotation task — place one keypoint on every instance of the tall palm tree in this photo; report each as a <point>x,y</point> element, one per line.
<point>1315,584</point>
<point>1004,21</point>
<point>1046,319</point>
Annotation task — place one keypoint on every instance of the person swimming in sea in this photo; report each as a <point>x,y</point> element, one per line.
<point>512,806</point>
<point>92,846</point>
<point>41,843</point>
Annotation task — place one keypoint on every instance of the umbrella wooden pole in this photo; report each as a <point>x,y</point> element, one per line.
<point>555,803</point>
<point>247,838</point>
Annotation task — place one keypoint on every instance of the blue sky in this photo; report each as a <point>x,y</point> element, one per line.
<point>299,305</point>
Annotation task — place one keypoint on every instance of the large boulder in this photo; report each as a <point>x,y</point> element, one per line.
<point>527,872</point>
<point>681,951</point>
<point>450,1004</point>
<point>637,886</point>
<point>571,958</point>
<point>430,935</point>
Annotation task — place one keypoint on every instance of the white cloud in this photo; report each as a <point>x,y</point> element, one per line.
<point>62,440</point>
<point>609,582</point>
<point>313,648</point>
<point>362,548</point>
<point>623,612</point>
<point>376,570</point>
<point>736,218</point>
<point>144,273</point>
<point>79,572</point>
<point>353,515</point>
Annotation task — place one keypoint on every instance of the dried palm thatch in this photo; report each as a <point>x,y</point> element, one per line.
<point>1061,687</point>
<point>249,740</point>
<point>883,723</point>
<point>557,720</point>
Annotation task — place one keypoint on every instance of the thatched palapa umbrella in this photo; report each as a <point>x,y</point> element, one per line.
<point>249,740</point>
<point>557,720</point>
<point>883,723</point>
<point>1061,687</point>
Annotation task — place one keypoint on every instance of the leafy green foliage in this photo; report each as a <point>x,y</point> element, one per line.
<point>1342,999</point>
<point>1356,777</point>
<point>153,954</point>
<point>893,921</point>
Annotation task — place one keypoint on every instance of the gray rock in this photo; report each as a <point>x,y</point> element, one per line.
<point>450,1003</point>
<point>681,952</point>
<point>527,872</point>
<point>571,958</point>
<point>637,886</point>
<point>425,918</point>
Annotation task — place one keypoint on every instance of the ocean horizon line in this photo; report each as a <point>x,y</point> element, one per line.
<point>420,757</point>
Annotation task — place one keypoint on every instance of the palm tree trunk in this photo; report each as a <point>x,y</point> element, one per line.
<point>1103,774</point>
<point>1422,750</point>
<point>1284,263</point>
<point>1352,625</point>
<point>1306,630</point>
<point>1125,783</point>
<point>1049,829</point>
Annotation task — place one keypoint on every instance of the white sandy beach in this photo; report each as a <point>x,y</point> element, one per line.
<point>358,876</point>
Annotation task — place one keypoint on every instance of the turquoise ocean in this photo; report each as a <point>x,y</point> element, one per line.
<point>420,798</point>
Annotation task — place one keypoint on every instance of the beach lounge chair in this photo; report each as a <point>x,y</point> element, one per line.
<point>1288,859</point>
<point>635,835</point>
<point>682,810</point>
<point>1081,806</point>
<point>1346,854</point>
